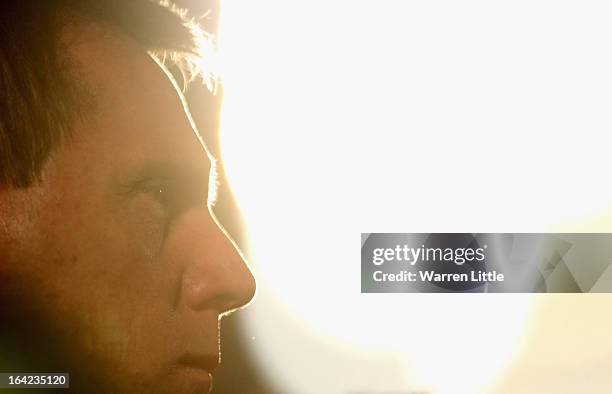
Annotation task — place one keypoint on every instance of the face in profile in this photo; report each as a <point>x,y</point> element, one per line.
<point>113,264</point>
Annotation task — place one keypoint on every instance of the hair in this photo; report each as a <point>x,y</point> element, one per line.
<point>38,96</point>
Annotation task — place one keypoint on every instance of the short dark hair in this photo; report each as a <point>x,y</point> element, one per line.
<point>38,96</point>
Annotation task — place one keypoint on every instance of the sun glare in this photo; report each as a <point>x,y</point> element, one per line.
<point>341,117</point>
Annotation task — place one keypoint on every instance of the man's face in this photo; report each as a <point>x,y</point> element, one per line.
<point>116,252</point>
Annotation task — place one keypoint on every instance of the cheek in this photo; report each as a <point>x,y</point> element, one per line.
<point>114,308</point>
<point>94,267</point>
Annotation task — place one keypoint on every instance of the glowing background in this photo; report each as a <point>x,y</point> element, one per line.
<point>343,117</point>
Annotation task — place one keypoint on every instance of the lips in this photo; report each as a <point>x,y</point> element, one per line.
<point>207,362</point>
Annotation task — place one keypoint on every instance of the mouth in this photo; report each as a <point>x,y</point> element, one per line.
<point>205,362</point>
<point>195,371</point>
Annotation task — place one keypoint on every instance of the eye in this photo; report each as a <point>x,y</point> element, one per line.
<point>163,195</point>
<point>157,192</point>
<point>160,192</point>
<point>150,212</point>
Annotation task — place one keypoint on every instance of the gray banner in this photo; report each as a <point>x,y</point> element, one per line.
<point>486,263</point>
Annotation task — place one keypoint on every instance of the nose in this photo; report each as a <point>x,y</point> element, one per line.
<point>215,275</point>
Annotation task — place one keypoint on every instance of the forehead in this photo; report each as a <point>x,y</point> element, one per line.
<point>132,103</point>
<point>110,65</point>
